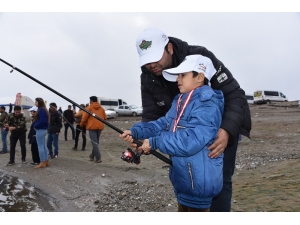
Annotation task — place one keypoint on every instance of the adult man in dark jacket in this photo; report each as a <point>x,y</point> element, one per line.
<point>157,52</point>
<point>4,132</point>
<point>68,119</point>
<point>54,130</point>
<point>16,124</point>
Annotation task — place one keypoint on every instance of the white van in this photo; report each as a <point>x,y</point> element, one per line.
<point>250,98</point>
<point>265,96</point>
<point>108,103</point>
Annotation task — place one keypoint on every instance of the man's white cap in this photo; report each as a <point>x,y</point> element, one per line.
<point>33,108</point>
<point>196,63</point>
<point>150,45</point>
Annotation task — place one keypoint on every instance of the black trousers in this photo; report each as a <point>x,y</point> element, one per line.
<point>83,134</point>
<point>183,208</point>
<point>35,153</point>
<point>67,125</point>
<point>13,142</point>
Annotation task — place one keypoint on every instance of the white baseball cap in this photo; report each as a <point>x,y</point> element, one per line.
<point>198,63</point>
<point>33,108</point>
<point>150,45</point>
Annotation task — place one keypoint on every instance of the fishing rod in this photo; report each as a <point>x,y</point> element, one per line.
<point>153,152</point>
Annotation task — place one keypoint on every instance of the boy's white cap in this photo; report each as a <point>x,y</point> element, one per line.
<point>196,63</point>
<point>33,108</point>
<point>150,45</point>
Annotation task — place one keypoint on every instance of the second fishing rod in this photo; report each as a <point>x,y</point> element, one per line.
<point>155,153</point>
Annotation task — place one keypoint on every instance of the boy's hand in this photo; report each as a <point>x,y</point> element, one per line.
<point>219,145</point>
<point>146,147</point>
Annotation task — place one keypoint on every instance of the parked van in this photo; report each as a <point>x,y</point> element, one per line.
<point>110,104</point>
<point>250,98</point>
<point>264,96</point>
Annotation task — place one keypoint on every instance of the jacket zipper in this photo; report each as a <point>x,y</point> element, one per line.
<point>191,175</point>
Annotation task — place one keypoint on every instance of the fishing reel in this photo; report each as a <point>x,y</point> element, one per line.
<point>131,157</point>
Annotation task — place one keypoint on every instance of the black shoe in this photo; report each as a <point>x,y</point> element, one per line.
<point>98,161</point>
<point>24,161</point>
<point>34,164</point>
<point>74,148</point>
<point>82,149</point>
<point>51,156</point>
<point>55,156</point>
<point>10,163</point>
<point>3,152</point>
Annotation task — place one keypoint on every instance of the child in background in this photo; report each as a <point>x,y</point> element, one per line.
<point>32,139</point>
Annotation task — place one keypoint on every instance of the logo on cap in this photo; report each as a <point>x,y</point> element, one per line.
<point>202,67</point>
<point>145,44</point>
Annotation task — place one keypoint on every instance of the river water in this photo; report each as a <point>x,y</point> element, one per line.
<point>16,195</point>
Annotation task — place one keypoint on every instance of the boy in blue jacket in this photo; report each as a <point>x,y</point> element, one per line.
<point>185,132</point>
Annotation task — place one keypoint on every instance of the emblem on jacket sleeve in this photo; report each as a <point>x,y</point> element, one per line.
<point>145,44</point>
<point>222,77</point>
<point>161,103</point>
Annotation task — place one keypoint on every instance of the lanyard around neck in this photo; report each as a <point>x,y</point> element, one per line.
<point>187,100</point>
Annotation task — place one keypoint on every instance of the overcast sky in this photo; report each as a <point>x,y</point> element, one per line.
<point>84,54</point>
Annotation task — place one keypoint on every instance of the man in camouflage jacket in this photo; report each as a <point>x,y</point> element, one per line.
<point>16,124</point>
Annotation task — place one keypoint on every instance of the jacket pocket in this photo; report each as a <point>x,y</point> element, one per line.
<point>191,174</point>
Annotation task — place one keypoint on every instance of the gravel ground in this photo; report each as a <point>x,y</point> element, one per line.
<point>266,177</point>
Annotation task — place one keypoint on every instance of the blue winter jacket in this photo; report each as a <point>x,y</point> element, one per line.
<point>196,177</point>
<point>42,123</point>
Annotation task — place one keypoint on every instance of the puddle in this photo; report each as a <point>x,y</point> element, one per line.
<point>16,195</point>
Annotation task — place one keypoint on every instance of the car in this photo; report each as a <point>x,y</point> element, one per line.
<point>110,114</point>
<point>249,98</point>
<point>128,110</point>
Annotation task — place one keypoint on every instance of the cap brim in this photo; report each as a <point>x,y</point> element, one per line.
<point>169,76</point>
<point>151,57</point>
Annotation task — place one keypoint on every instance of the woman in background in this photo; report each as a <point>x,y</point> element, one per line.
<point>41,125</point>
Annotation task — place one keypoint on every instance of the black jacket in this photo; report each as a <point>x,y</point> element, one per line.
<point>32,134</point>
<point>55,122</point>
<point>69,116</point>
<point>158,93</point>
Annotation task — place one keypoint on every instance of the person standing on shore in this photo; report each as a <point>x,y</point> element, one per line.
<point>54,130</point>
<point>82,130</point>
<point>4,131</point>
<point>185,133</point>
<point>94,126</point>
<point>16,124</point>
<point>32,139</point>
<point>68,119</point>
<point>60,110</point>
<point>41,125</point>
<point>158,52</point>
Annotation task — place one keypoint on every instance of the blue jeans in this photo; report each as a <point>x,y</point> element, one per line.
<point>41,142</point>
<point>52,138</point>
<point>4,139</point>
<point>95,137</point>
<point>222,202</point>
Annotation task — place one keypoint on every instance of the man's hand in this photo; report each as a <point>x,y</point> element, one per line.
<point>219,144</point>
<point>126,136</point>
